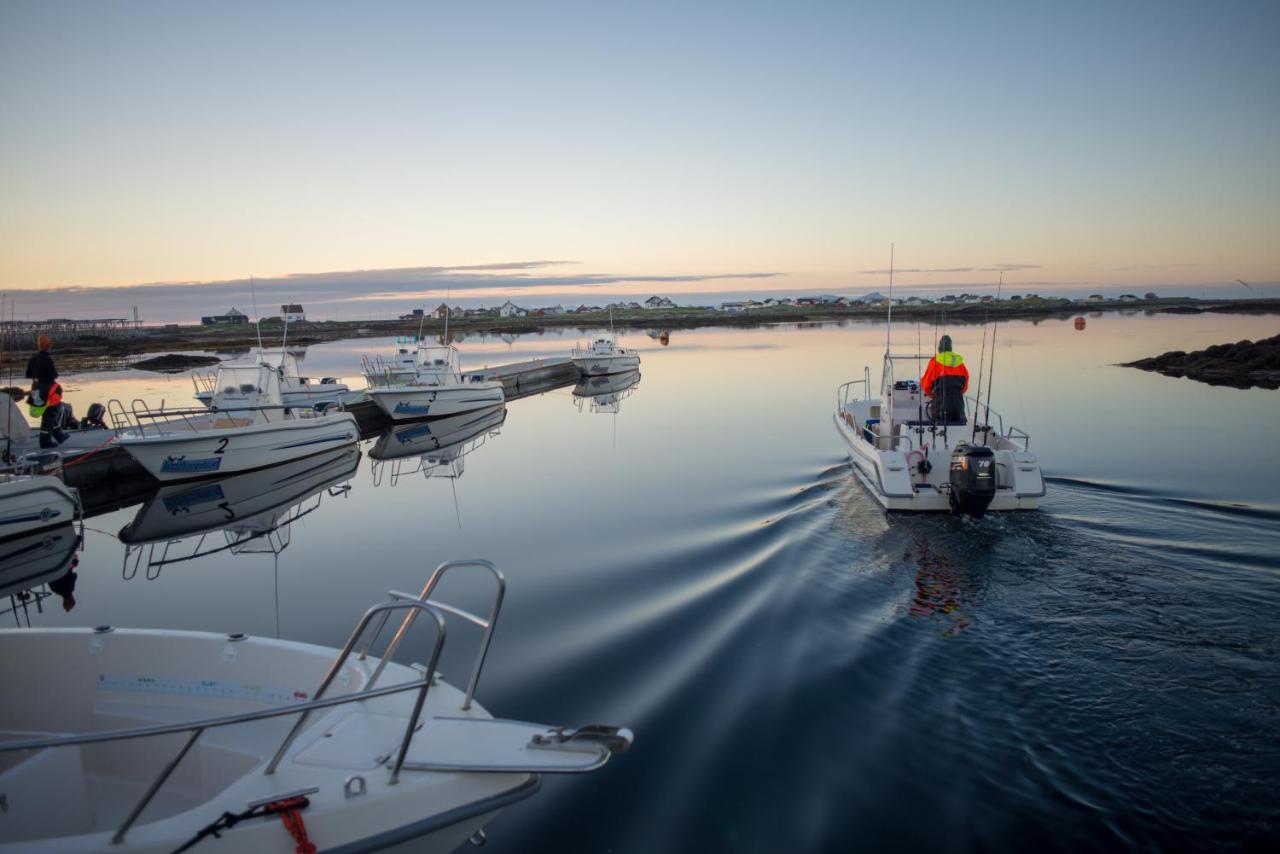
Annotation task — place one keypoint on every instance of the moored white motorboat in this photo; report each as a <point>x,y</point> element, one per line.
<point>295,389</point>
<point>604,356</point>
<point>435,388</point>
<point>30,503</point>
<point>138,740</point>
<point>247,427</point>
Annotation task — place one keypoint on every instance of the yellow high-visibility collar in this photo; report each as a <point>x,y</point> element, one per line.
<point>949,359</point>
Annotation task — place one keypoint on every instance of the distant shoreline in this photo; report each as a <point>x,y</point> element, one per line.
<point>100,352</point>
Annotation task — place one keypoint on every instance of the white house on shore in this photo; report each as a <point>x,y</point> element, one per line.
<point>292,313</point>
<point>658,302</point>
<point>510,309</point>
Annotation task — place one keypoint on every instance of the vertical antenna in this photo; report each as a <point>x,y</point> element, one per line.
<point>257,319</point>
<point>992,370</point>
<point>888,325</point>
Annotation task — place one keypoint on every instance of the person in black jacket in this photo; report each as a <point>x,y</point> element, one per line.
<point>46,394</point>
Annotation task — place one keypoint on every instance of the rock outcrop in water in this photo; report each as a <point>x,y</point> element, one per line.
<point>1244,364</point>
<point>172,363</point>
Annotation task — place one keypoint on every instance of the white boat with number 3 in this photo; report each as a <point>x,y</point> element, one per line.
<point>436,386</point>
<point>137,740</point>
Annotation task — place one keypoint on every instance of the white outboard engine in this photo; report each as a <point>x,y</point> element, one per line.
<point>973,479</point>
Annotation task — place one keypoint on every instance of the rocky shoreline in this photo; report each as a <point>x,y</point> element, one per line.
<point>1244,364</point>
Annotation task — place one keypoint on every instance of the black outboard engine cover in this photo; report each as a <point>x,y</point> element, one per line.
<point>973,480</point>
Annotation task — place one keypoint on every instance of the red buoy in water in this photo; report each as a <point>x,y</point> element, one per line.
<point>1079,323</point>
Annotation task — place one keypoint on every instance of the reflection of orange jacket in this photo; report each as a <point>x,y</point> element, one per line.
<point>946,364</point>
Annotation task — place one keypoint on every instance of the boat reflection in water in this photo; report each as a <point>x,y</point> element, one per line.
<point>38,565</point>
<point>605,393</point>
<point>252,511</point>
<point>436,448</point>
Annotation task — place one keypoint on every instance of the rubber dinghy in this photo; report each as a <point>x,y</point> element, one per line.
<point>147,740</point>
<point>246,427</point>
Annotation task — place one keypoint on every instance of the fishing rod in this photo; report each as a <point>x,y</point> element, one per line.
<point>992,370</point>
<point>982,361</point>
<point>888,325</point>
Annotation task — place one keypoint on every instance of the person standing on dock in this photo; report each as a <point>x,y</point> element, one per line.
<point>945,381</point>
<point>46,394</point>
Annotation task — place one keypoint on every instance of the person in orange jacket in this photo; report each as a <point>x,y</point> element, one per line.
<point>945,381</point>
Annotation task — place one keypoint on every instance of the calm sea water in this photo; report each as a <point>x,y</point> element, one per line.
<point>803,672</point>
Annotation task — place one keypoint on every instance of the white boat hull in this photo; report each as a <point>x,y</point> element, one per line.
<point>71,799</point>
<point>174,456</point>
<point>600,365</point>
<point>886,475</point>
<point>406,402</point>
<point>29,504</point>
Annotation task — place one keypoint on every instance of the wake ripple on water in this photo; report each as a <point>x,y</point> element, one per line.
<point>827,677</point>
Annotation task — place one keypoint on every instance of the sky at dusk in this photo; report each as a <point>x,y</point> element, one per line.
<point>377,152</point>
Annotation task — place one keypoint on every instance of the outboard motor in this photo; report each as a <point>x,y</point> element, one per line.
<point>95,418</point>
<point>973,479</point>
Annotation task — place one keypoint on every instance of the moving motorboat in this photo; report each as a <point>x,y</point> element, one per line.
<point>431,386</point>
<point>252,511</point>
<point>295,389</point>
<point>942,452</point>
<point>605,393</point>
<point>437,448</point>
<point>33,502</point>
<point>246,427</point>
<point>140,740</point>
<point>604,356</point>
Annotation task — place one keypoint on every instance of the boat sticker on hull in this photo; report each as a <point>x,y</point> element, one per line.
<point>214,688</point>
<point>411,408</point>
<point>182,465</point>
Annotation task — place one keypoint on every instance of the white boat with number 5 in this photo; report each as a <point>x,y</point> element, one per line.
<point>246,427</point>
<point>138,740</point>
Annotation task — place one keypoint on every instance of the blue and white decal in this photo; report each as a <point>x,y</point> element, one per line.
<point>182,465</point>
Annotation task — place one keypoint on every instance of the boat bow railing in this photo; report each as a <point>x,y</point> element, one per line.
<point>412,605</point>
<point>844,391</point>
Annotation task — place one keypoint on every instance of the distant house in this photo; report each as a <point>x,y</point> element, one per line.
<point>1150,295</point>
<point>1015,298</point>
<point>442,311</point>
<point>231,318</point>
<point>555,310</point>
<point>1096,298</point>
<point>915,301</point>
<point>807,300</point>
<point>986,298</point>
<point>416,314</point>
<point>1128,298</point>
<point>734,306</point>
<point>658,302</point>
<point>292,313</point>
<point>477,312</point>
<point>510,309</point>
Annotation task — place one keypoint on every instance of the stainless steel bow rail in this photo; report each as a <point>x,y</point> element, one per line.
<point>140,414</point>
<point>413,605</point>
